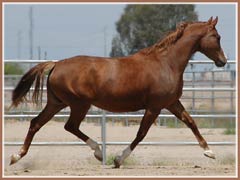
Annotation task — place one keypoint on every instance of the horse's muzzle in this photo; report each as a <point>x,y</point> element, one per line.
<point>220,63</point>
<point>221,59</point>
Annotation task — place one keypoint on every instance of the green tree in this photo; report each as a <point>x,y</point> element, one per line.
<point>12,68</point>
<point>141,26</point>
<point>118,49</point>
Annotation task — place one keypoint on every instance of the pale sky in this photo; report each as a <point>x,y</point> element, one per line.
<point>78,29</point>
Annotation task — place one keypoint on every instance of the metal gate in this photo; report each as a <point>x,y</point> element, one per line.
<point>104,116</point>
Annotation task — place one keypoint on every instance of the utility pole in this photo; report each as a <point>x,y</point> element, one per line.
<point>39,52</point>
<point>105,41</point>
<point>45,55</point>
<point>19,44</point>
<point>31,32</point>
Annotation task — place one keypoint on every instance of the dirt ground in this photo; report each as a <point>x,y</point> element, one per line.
<point>144,160</point>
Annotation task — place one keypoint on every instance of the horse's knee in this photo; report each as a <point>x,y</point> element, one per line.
<point>34,127</point>
<point>191,124</point>
<point>188,120</point>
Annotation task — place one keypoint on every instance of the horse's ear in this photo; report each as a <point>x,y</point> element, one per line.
<point>210,20</point>
<point>214,22</point>
<point>181,25</point>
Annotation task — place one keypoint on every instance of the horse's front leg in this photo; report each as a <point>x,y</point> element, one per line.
<point>148,119</point>
<point>179,111</point>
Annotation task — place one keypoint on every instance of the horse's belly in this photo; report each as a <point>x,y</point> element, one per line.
<point>117,105</point>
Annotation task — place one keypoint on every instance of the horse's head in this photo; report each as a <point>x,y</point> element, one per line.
<point>210,44</point>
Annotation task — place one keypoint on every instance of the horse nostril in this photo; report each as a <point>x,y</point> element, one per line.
<point>220,63</point>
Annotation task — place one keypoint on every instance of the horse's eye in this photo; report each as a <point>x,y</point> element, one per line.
<point>216,36</point>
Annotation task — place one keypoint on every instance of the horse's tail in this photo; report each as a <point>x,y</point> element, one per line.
<point>35,74</point>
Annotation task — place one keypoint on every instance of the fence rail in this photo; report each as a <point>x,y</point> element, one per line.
<point>74,143</point>
<point>184,89</point>
<point>39,61</point>
<point>122,115</point>
<point>104,115</point>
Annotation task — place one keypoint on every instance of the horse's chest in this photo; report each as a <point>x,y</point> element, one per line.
<point>171,93</point>
<point>167,92</point>
<point>175,89</point>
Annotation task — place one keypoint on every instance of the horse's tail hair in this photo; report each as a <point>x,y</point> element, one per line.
<point>34,74</point>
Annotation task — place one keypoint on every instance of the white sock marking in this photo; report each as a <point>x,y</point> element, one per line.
<point>125,154</point>
<point>92,144</point>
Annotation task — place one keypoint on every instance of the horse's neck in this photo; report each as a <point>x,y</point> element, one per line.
<point>180,53</point>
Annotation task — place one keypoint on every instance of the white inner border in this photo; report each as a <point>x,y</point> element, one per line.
<point>106,3</point>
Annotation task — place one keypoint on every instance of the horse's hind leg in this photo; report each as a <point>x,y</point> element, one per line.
<point>36,123</point>
<point>78,113</point>
<point>179,111</point>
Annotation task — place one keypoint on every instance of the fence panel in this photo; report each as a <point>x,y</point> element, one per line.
<point>210,83</point>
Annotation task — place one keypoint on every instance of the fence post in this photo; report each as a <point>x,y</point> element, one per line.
<point>193,93</point>
<point>103,132</point>
<point>213,99</point>
<point>159,121</point>
<point>232,96</point>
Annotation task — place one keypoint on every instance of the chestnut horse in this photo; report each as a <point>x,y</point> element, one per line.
<point>151,79</point>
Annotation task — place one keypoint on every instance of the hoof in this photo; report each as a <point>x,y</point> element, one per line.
<point>210,154</point>
<point>15,158</point>
<point>98,154</point>
<point>117,163</point>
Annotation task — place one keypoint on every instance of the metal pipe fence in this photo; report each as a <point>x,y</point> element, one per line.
<point>39,61</point>
<point>184,89</point>
<point>104,116</point>
<point>76,143</point>
<point>122,115</point>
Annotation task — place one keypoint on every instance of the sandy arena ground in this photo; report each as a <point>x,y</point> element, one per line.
<point>144,160</point>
